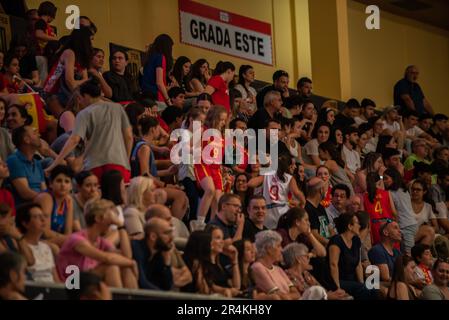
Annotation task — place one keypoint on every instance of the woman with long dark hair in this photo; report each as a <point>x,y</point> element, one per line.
<point>403,275</point>
<point>70,69</point>
<point>96,69</point>
<point>321,133</point>
<point>158,64</point>
<point>241,189</point>
<point>407,221</point>
<point>199,75</point>
<point>246,78</point>
<point>379,204</point>
<point>372,163</point>
<point>181,76</point>
<point>340,174</point>
<point>294,226</point>
<point>386,141</point>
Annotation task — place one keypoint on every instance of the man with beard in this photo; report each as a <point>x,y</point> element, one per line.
<point>12,276</point>
<point>348,152</point>
<point>304,87</point>
<point>319,222</point>
<point>280,84</point>
<point>153,255</point>
<point>409,95</point>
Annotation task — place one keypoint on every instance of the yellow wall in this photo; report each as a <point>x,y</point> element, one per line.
<point>379,57</point>
<point>323,39</point>
<point>135,23</point>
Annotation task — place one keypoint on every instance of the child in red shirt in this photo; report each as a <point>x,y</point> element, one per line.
<point>43,31</point>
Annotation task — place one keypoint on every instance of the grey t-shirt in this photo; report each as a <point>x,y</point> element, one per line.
<point>101,126</point>
<point>403,204</point>
<point>78,213</point>
<point>6,145</point>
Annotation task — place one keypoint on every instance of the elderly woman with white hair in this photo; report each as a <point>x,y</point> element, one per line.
<point>268,277</point>
<point>297,260</point>
<point>142,193</point>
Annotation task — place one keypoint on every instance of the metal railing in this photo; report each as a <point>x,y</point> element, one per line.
<point>57,291</point>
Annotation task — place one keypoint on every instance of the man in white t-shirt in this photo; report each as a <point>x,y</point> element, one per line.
<point>348,152</point>
<point>412,130</point>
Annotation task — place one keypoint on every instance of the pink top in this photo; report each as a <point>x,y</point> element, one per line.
<point>270,280</point>
<point>69,256</point>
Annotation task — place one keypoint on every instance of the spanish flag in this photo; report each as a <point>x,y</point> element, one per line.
<point>35,108</point>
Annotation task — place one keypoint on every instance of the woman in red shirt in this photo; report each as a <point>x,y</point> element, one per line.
<point>217,86</point>
<point>379,204</point>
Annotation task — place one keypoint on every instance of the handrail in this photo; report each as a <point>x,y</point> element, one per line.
<point>35,288</point>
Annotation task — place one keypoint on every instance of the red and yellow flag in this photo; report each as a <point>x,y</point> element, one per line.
<point>35,107</point>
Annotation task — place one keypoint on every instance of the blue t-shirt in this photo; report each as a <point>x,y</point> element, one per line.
<point>20,167</point>
<point>148,83</point>
<point>379,255</point>
<point>404,86</point>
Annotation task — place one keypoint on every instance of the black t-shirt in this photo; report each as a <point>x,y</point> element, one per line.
<point>318,219</point>
<point>215,274</point>
<point>260,119</point>
<point>349,257</point>
<point>41,25</point>
<point>27,66</point>
<point>415,92</point>
<point>342,121</point>
<point>121,87</point>
<point>250,230</point>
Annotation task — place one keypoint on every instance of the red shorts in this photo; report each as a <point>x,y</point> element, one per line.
<point>202,171</point>
<point>99,171</point>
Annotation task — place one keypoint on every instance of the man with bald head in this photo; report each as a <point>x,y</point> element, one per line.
<point>319,222</point>
<point>181,274</point>
<point>180,231</point>
<point>153,255</point>
<point>409,95</point>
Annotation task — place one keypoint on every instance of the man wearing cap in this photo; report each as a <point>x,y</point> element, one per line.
<point>420,152</point>
<point>409,95</point>
<point>392,121</point>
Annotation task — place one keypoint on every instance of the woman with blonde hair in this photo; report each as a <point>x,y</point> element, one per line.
<point>90,251</point>
<point>141,194</point>
<point>208,175</point>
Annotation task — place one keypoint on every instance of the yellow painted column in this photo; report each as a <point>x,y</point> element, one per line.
<point>301,34</point>
<point>330,48</point>
<point>343,49</point>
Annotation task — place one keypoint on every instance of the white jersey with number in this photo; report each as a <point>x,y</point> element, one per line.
<point>275,193</point>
